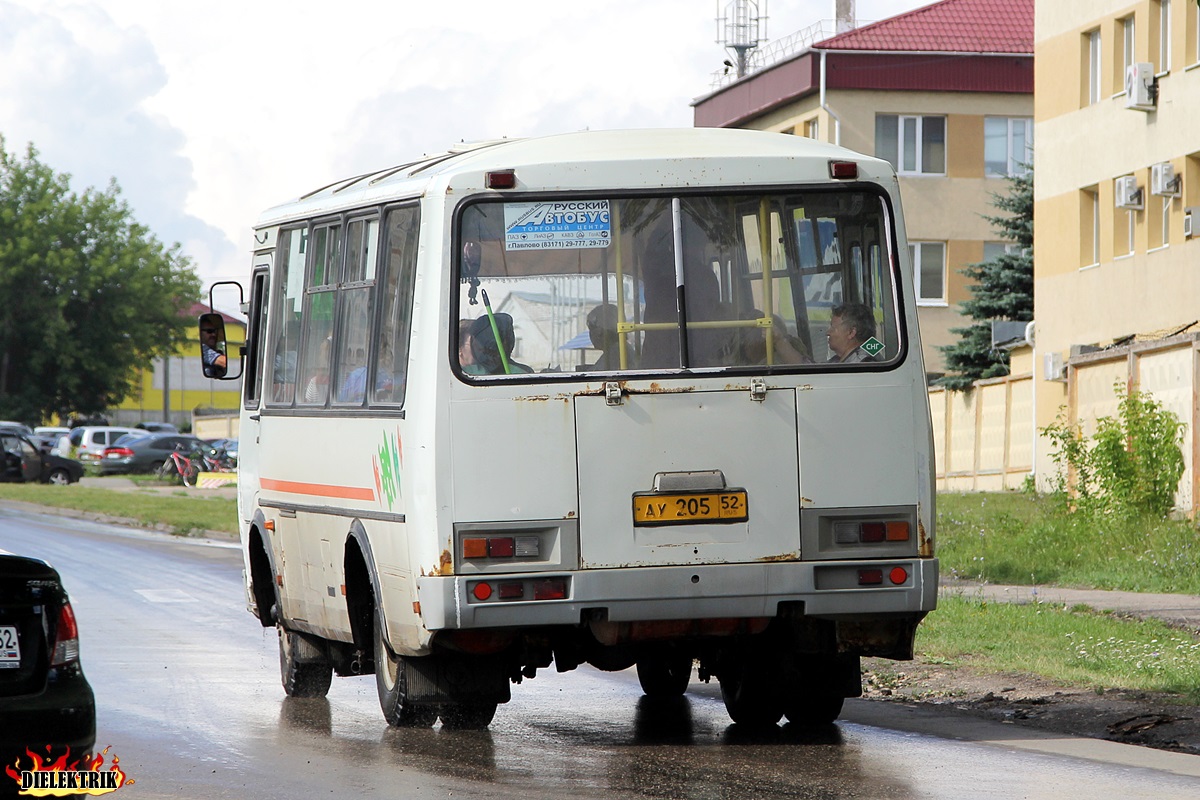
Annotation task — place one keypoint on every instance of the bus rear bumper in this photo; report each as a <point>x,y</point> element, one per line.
<point>827,589</point>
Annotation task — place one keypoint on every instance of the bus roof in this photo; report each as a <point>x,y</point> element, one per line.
<point>684,151</point>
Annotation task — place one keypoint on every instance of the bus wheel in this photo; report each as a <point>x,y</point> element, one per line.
<point>304,669</point>
<point>664,673</point>
<point>468,716</point>
<point>390,683</point>
<point>817,697</point>
<point>751,696</point>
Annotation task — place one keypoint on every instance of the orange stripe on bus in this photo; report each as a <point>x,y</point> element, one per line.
<point>319,489</point>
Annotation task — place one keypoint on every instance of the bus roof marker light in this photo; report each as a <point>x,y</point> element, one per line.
<point>501,179</point>
<point>843,169</point>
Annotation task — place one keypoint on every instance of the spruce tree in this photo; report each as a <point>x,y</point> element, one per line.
<point>1002,289</point>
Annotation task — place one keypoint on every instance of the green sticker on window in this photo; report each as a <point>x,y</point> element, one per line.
<point>873,346</point>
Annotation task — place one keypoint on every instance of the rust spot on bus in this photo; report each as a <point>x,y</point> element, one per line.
<point>781,557</point>
<point>924,543</point>
<point>534,398</point>
<point>443,566</point>
<point>570,515</point>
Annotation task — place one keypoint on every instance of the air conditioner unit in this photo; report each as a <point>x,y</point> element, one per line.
<point>1053,368</point>
<point>1127,194</point>
<point>1141,87</point>
<point>1163,180</point>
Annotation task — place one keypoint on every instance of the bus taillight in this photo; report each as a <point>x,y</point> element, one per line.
<point>871,532</point>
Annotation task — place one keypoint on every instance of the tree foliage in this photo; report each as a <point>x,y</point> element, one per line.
<point>1002,289</point>
<point>87,295</point>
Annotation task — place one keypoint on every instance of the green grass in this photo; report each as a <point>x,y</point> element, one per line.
<point>181,512</point>
<point>1077,647</point>
<point>1029,539</point>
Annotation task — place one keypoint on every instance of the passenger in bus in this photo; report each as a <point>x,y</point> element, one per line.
<point>354,387</point>
<point>748,346</point>
<point>485,350</point>
<point>317,388</point>
<point>465,357</point>
<point>602,328</point>
<point>850,325</point>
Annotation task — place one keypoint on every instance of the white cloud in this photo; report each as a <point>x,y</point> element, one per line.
<point>208,113</point>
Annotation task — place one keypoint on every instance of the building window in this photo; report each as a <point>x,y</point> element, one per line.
<point>1164,36</point>
<point>1007,145</point>
<point>1092,40</point>
<point>913,145</point>
<point>1089,226</point>
<point>1129,48</point>
<point>929,269</point>
<point>1160,222</point>
<point>812,128</point>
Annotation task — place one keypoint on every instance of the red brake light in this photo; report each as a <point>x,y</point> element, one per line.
<point>500,547</point>
<point>66,638</point>
<point>501,179</point>
<point>873,531</point>
<point>870,577</point>
<point>843,169</point>
<point>117,452</point>
<point>550,590</point>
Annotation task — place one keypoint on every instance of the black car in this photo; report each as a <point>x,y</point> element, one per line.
<point>141,453</point>
<point>23,461</point>
<point>45,699</point>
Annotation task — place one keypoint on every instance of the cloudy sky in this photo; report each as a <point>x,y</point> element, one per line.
<point>208,113</point>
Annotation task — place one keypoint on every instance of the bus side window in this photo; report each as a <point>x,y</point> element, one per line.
<point>256,340</point>
<point>354,311</point>
<point>395,305</point>
<point>285,316</point>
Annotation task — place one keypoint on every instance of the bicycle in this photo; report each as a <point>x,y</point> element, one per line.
<point>187,467</point>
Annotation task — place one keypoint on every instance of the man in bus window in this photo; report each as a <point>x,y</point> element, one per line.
<point>850,325</point>
<point>602,328</point>
<point>486,350</point>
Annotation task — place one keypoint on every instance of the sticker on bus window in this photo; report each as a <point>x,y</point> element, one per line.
<point>557,225</point>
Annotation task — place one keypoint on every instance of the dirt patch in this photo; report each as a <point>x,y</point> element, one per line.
<point>1141,718</point>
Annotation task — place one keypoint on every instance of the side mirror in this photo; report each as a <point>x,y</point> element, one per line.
<point>214,353</point>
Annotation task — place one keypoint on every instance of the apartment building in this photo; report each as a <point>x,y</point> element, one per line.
<point>944,92</point>
<point>1117,191</point>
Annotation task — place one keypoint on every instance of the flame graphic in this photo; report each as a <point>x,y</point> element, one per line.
<point>87,764</point>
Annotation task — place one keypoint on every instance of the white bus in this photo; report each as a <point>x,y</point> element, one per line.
<point>646,398</point>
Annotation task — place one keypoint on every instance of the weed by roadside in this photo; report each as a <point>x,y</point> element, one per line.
<point>1020,538</point>
<point>1072,646</point>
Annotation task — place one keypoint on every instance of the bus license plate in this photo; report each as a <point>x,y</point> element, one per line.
<point>692,507</point>
<point>10,648</point>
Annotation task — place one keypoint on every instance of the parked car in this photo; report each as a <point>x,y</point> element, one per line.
<point>23,461</point>
<point>45,699</point>
<point>46,437</point>
<point>142,453</point>
<point>8,426</point>
<point>157,427</point>
<point>88,443</point>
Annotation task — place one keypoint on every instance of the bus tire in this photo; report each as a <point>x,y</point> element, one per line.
<point>304,669</point>
<point>664,673</point>
<point>751,696</point>
<point>472,716</point>
<point>817,696</point>
<point>390,684</point>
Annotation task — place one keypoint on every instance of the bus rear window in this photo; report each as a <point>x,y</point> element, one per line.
<point>743,282</point>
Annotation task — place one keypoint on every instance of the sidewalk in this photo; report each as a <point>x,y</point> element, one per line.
<point>1179,610</point>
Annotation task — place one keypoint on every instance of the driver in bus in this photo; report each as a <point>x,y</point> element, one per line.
<point>850,325</point>
<point>486,351</point>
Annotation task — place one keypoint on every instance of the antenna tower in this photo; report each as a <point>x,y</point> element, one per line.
<point>741,28</point>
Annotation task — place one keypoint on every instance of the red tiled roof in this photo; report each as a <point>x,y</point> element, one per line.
<point>951,26</point>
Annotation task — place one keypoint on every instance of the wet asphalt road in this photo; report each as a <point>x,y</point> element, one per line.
<point>189,700</point>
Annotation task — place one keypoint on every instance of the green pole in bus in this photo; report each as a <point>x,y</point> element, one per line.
<point>487,307</point>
